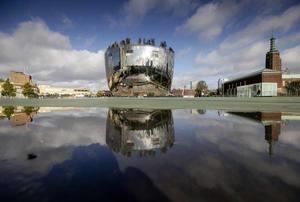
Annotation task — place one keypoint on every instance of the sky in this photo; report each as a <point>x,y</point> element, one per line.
<point>62,43</point>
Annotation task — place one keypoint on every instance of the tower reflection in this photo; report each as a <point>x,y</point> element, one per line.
<point>138,130</point>
<point>271,122</point>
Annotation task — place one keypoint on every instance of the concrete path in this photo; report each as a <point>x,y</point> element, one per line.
<point>283,104</point>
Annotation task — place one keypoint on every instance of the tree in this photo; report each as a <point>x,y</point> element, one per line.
<point>28,91</point>
<point>8,89</point>
<point>201,88</point>
<point>293,87</point>
<point>201,111</point>
<point>8,111</point>
<point>28,110</point>
<point>100,93</point>
<point>150,94</point>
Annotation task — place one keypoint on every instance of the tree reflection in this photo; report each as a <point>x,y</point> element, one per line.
<point>19,116</point>
<point>8,111</point>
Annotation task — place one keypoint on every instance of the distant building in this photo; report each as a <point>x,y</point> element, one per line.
<point>269,81</point>
<point>19,79</point>
<point>264,82</point>
<point>287,78</point>
<point>47,90</point>
<point>179,92</point>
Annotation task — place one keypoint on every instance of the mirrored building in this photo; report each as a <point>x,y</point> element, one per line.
<point>140,69</point>
<point>139,131</point>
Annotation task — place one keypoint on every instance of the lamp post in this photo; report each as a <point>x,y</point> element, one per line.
<point>221,85</point>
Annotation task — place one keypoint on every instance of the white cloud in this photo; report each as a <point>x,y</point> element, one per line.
<point>262,26</point>
<point>291,58</point>
<point>183,52</point>
<point>48,55</point>
<point>88,42</point>
<point>244,51</point>
<point>50,135</point>
<point>222,62</point>
<point>210,19</point>
<point>135,10</point>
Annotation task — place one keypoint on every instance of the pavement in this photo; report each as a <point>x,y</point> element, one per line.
<point>282,104</point>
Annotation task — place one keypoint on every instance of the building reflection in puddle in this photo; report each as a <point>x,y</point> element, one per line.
<point>272,123</point>
<point>138,130</point>
<point>64,151</point>
<point>18,116</point>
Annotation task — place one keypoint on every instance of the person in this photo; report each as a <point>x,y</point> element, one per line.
<point>258,92</point>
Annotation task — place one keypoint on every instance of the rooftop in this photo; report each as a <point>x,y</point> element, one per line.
<point>140,41</point>
<point>242,76</point>
<point>290,76</point>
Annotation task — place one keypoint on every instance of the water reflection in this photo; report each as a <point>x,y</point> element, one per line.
<point>66,154</point>
<point>145,131</point>
<point>18,116</point>
<point>272,124</point>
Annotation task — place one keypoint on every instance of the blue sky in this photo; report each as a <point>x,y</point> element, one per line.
<point>62,42</point>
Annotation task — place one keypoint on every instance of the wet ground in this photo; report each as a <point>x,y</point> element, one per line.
<point>115,154</point>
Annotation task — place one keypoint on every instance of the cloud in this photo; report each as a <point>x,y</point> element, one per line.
<point>219,62</point>
<point>291,58</point>
<point>262,26</point>
<point>48,55</point>
<point>67,22</point>
<point>217,140</point>
<point>52,136</point>
<point>244,50</point>
<point>88,42</point>
<point>210,19</point>
<point>135,10</point>
<point>183,52</point>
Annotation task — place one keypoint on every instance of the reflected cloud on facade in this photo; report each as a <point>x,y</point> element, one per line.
<point>141,131</point>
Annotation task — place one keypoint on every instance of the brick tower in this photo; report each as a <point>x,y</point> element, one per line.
<point>273,60</point>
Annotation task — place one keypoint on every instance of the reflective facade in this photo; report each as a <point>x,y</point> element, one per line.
<point>142,131</point>
<point>139,69</point>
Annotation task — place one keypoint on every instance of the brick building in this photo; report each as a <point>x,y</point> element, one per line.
<point>179,92</point>
<point>19,79</point>
<point>269,81</point>
<point>265,82</point>
<point>273,60</point>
